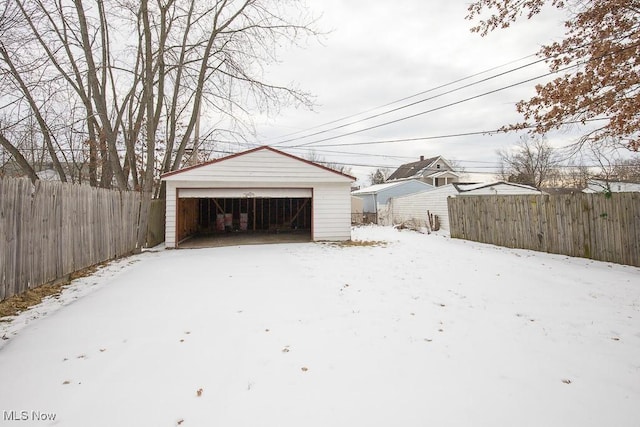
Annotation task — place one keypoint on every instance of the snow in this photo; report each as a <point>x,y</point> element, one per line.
<point>378,187</point>
<point>421,330</point>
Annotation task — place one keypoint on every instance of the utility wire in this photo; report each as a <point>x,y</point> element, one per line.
<point>422,93</point>
<point>403,99</point>
<point>412,104</point>
<point>454,135</point>
<point>560,70</point>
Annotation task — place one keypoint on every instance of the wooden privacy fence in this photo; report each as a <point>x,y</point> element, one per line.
<point>155,231</point>
<point>597,226</point>
<point>50,229</point>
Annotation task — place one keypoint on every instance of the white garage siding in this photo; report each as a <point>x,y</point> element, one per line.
<point>268,172</point>
<point>259,167</point>
<point>170,216</point>
<point>329,216</point>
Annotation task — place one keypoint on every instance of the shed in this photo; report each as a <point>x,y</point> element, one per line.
<point>260,191</point>
<point>414,207</point>
<point>357,210</point>
<point>380,194</point>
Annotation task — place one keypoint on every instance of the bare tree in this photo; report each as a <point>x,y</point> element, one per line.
<point>531,162</point>
<point>576,175</point>
<point>379,176</point>
<point>314,157</point>
<point>144,76</point>
<point>628,170</point>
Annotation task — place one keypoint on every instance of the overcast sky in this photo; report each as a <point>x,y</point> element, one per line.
<point>378,52</point>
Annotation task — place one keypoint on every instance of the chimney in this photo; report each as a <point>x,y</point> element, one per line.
<point>421,158</point>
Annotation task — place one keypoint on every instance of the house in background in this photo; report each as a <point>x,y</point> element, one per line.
<point>435,171</point>
<point>378,195</point>
<point>601,186</point>
<point>414,207</point>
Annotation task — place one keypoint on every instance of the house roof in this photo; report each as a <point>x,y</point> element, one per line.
<point>410,169</point>
<point>387,185</point>
<point>264,147</point>
<point>441,174</point>
<point>470,187</point>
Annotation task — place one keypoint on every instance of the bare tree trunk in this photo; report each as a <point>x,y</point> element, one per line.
<point>19,158</point>
<point>46,134</point>
<point>204,71</point>
<point>110,136</point>
<point>148,103</point>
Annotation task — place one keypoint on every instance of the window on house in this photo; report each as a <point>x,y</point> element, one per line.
<point>438,166</point>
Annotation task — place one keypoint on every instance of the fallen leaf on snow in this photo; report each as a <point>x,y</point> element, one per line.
<point>305,369</point>
<point>566,381</point>
<point>199,392</point>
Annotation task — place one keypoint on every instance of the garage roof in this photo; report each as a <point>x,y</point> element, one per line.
<point>263,161</point>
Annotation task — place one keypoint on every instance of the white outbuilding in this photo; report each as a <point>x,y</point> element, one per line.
<point>262,191</point>
<point>415,207</point>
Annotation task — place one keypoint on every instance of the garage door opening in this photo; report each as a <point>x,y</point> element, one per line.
<point>211,221</point>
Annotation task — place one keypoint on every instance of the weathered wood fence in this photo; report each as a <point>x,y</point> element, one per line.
<point>50,229</point>
<point>597,226</point>
<point>155,231</point>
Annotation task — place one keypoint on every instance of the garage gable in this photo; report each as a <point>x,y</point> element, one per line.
<point>257,191</point>
<point>263,164</point>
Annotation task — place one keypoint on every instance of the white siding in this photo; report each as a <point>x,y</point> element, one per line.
<point>331,221</point>
<point>598,186</point>
<point>268,169</point>
<point>262,166</point>
<point>247,192</point>
<point>414,207</point>
<point>170,217</point>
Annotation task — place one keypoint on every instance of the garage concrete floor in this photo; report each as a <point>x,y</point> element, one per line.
<point>239,239</point>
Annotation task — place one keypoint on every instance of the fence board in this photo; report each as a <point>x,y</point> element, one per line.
<point>596,226</point>
<point>155,234</point>
<point>48,230</point>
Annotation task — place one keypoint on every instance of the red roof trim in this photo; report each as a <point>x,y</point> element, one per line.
<point>264,147</point>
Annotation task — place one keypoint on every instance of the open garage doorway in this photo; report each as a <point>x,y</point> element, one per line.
<point>222,221</point>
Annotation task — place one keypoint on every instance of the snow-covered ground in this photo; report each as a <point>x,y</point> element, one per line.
<point>421,331</point>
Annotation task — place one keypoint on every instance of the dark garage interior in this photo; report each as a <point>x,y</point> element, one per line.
<point>228,217</point>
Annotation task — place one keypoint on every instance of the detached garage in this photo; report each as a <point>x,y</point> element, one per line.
<point>261,191</point>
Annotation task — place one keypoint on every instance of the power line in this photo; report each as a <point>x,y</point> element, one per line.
<point>407,98</point>
<point>445,136</point>
<point>560,70</point>
<point>412,104</point>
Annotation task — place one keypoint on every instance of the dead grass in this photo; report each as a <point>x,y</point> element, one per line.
<point>359,243</point>
<point>19,303</point>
